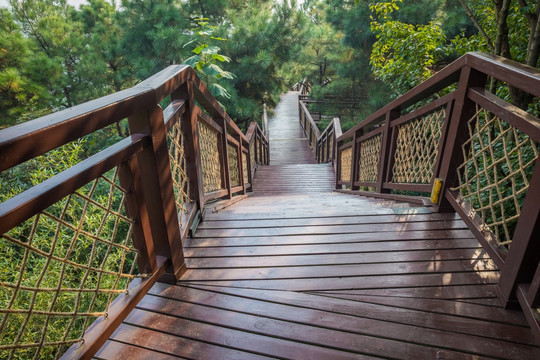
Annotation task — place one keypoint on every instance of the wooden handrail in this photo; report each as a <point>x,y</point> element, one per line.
<point>443,129</point>
<point>159,219</point>
<point>448,123</point>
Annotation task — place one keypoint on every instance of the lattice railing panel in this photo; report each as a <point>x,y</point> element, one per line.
<point>259,157</point>
<point>370,151</point>
<point>211,168</point>
<point>331,148</point>
<point>345,161</point>
<point>245,168</point>
<point>177,158</point>
<point>416,149</point>
<point>252,155</point>
<point>234,172</point>
<point>495,175</point>
<point>62,268</point>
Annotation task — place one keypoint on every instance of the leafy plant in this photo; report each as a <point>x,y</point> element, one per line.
<point>207,58</point>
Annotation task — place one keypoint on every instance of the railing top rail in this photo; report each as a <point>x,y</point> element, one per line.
<point>253,129</point>
<point>310,120</point>
<point>515,74</point>
<point>21,142</point>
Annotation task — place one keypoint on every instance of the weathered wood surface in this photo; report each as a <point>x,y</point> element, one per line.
<point>288,143</point>
<point>302,272</point>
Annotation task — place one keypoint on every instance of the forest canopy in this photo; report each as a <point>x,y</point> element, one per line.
<point>54,55</point>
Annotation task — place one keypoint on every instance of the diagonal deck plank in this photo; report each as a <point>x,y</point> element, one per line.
<point>298,271</point>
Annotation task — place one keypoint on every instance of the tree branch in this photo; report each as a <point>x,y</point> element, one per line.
<point>477,24</point>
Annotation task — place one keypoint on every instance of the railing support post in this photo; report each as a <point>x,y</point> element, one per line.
<point>354,160</point>
<point>192,148</point>
<point>523,260</point>
<point>338,164</point>
<point>240,152</point>
<point>136,208</point>
<point>386,153</point>
<point>158,191</point>
<point>452,156</point>
<point>226,173</point>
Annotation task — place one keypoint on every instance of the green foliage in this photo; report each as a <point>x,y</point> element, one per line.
<point>19,91</point>
<point>263,36</point>
<point>207,57</point>
<point>74,240</point>
<point>404,54</point>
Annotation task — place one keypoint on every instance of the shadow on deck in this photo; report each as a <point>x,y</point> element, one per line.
<point>299,271</point>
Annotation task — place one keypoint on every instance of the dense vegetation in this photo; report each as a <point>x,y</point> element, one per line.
<point>55,56</point>
<point>359,53</point>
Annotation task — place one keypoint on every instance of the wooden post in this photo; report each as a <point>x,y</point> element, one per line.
<point>225,169</point>
<point>240,152</point>
<point>136,209</point>
<point>249,166</point>
<point>338,164</point>
<point>192,148</point>
<point>157,188</point>
<point>354,160</point>
<point>463,110</point>
<point>328,136</point>
<point>524,256</point>
<point>386,143</point>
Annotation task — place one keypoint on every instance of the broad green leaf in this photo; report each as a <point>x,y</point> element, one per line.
<point>219,90</point>
<point>199,48</point>
<point>192,61</point>
<point>221,58</point>
<point>189,43</point>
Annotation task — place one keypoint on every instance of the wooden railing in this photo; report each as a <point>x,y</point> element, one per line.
<point>483,150</point>
<point>87,243</point>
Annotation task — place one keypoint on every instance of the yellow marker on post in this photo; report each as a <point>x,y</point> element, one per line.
<point>436,191</point>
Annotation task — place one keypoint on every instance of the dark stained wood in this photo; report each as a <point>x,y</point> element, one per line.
<point>524,258</point>
<point>23,206</point>
<point>457,132</point>
<point>342,220</point>
<point>103,327</point>
<point>111,349</point>
<point>386,156</point>
<point>299,271</point>
<point>475,223</point>
<point>511,114</point>
<point>157,188</point>
<point>173,113</point>
<point>192,148</point>
<point>130,178</point>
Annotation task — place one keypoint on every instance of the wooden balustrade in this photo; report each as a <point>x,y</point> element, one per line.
<point>156,181</point>
<point>484,150</point>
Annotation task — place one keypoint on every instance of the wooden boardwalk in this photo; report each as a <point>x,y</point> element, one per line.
<point>298,271</point>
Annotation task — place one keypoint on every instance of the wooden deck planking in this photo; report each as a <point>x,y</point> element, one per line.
<point>288,143</point>
<point>298,271</point>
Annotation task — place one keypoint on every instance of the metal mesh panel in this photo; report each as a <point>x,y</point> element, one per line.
<point>494,177</point>
<point>245,168</point>
<point>178,162</point>
<point>233,166</point>
<point>370,151</point>
<point>211,168</point>
<point>416,148</point>
<point>64,266</point>
<point>345,161</point>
